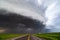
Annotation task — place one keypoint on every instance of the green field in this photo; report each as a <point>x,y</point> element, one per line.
<point>49,36</point>
<point>8,36</point>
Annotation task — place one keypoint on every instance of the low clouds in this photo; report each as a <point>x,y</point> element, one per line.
<point>18,17</point>
<point>34,10</point>
<point>52,14</point>
<point>20,9</point>
<point>15,23</point>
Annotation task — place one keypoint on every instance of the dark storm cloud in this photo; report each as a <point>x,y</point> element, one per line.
<point>19,24</point>
<point>21,16</point>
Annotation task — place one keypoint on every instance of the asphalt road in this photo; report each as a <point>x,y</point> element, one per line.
<point>23,38</point>
<point>35,38</point>
<point>29,37</point>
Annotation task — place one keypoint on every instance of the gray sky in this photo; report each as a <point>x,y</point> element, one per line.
<point>52,14</point>
<point>35,8</point>
<point>23,7</point>
<point>25,12</point>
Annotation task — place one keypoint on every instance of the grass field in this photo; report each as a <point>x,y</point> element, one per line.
<point>8,36</point>
<point>49,36</point>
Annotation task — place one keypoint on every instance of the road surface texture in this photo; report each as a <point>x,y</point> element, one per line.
<point>23,38</point>
<point>35,38</point>
<point>28,37</point>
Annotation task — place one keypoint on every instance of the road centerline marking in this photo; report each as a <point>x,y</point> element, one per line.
<point>28,36</point>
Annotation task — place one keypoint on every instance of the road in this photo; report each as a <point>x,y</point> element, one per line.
<point>28,37</point>
<point>23,38</point>
<point>36,38</point>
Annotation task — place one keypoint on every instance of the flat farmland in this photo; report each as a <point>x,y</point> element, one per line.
<point>49,36</point>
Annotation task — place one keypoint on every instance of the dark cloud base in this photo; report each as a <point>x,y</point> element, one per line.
<point>15,23</point>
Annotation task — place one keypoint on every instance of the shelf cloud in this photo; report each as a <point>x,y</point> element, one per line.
<point>19,18</point>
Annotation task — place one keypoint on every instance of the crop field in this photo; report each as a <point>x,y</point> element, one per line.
<point>49,36</point>
<point>8,36</point>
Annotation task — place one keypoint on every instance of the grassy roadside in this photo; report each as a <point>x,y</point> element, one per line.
<point>8,36</point>
<point>49,36</point>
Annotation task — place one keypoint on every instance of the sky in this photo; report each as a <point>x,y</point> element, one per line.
<point>21,7</point>
<point>21,16</point>
<point>52,13</point>
<point>42,10</point>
